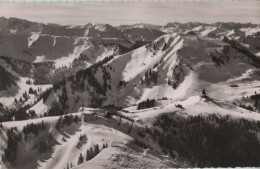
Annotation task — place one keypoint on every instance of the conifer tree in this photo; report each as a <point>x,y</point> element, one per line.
<point>81,159</point>
<point>203,92</point>
<point>88,155</point>
<point>96,150</point>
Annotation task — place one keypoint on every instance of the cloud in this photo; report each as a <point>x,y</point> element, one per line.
<point>117,13</point>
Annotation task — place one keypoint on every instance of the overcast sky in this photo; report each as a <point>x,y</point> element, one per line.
<point>117,13</point>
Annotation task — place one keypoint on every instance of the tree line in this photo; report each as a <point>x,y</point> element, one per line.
<point>66,120</point>
<point>91,153</point>
<point>146,104</point>
<point>14,137</point>
<point>150,76</point>
<point>209,141</point>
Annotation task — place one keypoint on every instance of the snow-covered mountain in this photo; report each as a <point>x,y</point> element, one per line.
<point>173,66</point>
<point>137,95</point>
<point>32,40</point>
<point>53,52</point>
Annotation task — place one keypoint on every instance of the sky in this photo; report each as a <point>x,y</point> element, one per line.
<point>118,13</point>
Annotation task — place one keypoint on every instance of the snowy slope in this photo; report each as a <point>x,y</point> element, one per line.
<point>8,96</point>
<point>97,130</point>
<point>67,152</point>
<point>114,157</point>
<point>193,106</point>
